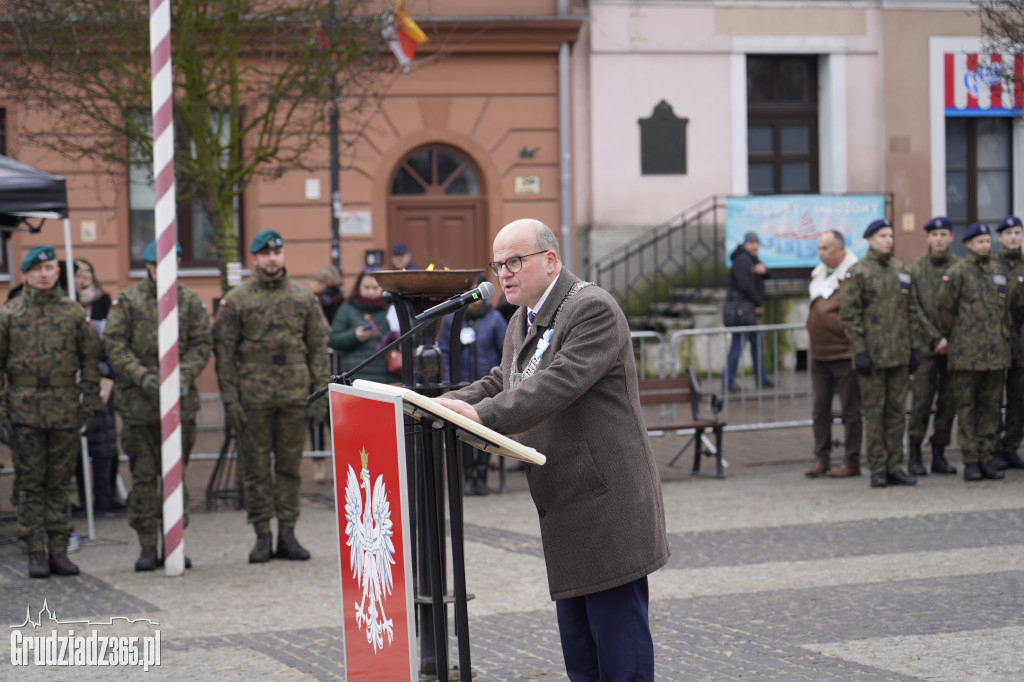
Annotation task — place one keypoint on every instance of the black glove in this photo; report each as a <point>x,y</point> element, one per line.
<point>915,360</point>
<point>862,363</point>
<point>235,416</point>
<point>151,385</point>
<point>89,420</point>
<point>317,411</point>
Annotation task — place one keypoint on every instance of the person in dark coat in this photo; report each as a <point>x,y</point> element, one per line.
<point>358,327</point>
<point>746,283</point>
<point>328,290</point>
<point>103,440</point>
<point>483,336</point>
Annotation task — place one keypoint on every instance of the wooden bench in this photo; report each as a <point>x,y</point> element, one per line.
<point>668,395</point>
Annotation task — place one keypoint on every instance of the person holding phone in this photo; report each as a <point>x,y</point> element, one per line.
<point>358,327</point>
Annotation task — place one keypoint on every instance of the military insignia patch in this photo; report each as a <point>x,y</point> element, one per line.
<point>848,275</point>
<point>945,278</point>
<point>113,304</point>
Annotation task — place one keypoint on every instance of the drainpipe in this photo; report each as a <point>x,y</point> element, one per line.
<point>564,146</point>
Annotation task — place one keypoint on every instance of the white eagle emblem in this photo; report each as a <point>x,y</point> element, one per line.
<point>369,531</point>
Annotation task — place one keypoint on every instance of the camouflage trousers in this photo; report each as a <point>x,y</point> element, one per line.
<point>281,431</point>
<point>141,442</point>
<point>1011,428</point>
<point>44,462</point>
<point>930,378</point>
<point>883,399</point>
<point>978,398</point>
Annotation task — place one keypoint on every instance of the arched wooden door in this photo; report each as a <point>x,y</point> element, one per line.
<point>437,207</point>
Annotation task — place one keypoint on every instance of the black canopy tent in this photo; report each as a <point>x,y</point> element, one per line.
<point>27,194</point>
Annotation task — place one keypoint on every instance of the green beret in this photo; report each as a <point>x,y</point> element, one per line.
<point>149,253</point>
<point>267,239</point>
<point>38,254</point>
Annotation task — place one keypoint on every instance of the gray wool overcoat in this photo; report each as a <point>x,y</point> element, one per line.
<point>598,497</point>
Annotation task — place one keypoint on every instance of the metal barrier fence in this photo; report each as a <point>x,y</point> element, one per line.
<point>784,404</point>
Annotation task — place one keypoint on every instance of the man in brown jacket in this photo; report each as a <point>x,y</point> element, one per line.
<point>567,386</point>
<point>831,370</point>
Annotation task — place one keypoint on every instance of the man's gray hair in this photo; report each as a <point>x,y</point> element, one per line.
<point>839,238</point>
<point>546,239</point>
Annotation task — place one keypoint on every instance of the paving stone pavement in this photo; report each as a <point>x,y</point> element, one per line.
<point>772,577</point>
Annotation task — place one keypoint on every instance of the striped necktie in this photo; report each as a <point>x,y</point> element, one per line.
<point>530,317</point>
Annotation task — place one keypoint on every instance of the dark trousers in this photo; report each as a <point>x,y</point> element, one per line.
<point>606,636</point>
<point>756,340</point>
<point>829,377</point>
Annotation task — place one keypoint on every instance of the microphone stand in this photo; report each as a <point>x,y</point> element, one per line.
<point>346,377</point>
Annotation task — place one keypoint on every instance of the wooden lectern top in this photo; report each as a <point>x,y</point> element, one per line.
<point>468,431</point>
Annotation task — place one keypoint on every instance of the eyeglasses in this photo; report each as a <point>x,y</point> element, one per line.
<point>514,264</point>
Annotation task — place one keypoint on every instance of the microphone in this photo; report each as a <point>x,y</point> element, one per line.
<point>485,290</point>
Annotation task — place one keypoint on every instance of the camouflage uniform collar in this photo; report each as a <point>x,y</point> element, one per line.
<point>939,258</point>
<point>1013,258</point>
<point>42,295</point>
<point>882,258</point>
<point>149,285</point>
<point>975,258</point>
<point>268,283</point>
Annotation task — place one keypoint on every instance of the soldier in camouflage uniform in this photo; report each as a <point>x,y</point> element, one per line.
<point>131,343</point>
<point>879,319</point>
<point>271,345</point>
<point>972,314</point>
<point>1011,431</point>
<point>45,340</point>
<point>932,376</point>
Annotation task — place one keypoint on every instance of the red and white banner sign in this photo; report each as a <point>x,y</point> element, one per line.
<point>370,482</point>
<point>984,85</point>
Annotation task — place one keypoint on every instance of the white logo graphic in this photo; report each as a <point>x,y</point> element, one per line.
<point>81,650</point>
<point>369,531</point>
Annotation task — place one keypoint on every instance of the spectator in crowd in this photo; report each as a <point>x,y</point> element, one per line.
<point>401,258</point>
<point>746,283</point>
<point>328,290</point>
<point>831,371</point>
<point>973,315</point>
<point>271,341</point>
<point>879,321</point>
<point>103,440</point>
<point>482,336</point>
<point>132,344</point>
<point>1011,430</point>
<point>359,325</point>
<point>50,356</point>
<point>932,381</point>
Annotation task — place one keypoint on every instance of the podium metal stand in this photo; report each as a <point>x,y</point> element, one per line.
<point>438,432</point>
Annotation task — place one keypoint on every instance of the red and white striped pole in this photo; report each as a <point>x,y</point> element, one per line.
<point>166,284</point>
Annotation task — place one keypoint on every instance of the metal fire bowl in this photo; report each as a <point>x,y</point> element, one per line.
<point>427,282</point>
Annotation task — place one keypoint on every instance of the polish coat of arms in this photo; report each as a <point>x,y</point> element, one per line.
<point>369,533</point>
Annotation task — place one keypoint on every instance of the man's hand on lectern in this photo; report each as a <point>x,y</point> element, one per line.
<point>460,406</point>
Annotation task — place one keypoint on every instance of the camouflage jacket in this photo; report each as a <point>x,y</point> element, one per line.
<point>973,315</point>
<point>877,310</point>
<point>271,343</point>
<point>45,338</point>
<point>131,342</point>
<point>1013,263</point>
<point>926,276</point>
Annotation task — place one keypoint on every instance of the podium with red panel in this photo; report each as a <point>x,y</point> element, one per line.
<point>373,474</point>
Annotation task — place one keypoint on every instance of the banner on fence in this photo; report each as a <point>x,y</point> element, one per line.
<point>788,225</point>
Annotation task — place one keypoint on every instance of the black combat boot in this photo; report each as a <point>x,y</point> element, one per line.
<point>999,460</point>
<point>38,566</point>
<point>288,547</point>
<point>261,553</point>
<point>469,487</point>
<point>988,470</point>
<point>914,465</point>
<point>147,560</point>
<point>60,564</point>
<point>939,463</point>
<point>1013,460</point>
<point>972,472</point>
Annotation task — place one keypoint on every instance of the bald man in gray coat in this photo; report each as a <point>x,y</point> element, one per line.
<point>567,386</point>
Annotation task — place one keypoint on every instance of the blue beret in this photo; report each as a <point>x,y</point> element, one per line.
<point>976,230</point>
<point>1009,221</point>
<point>38,254</point>
<point>939,223</point>
<point>149,253</point>
<point>400,249</point>
<point>876,226</point>
<point>267,239</point>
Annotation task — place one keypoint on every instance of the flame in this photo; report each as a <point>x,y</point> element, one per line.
<point>430,267</point>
